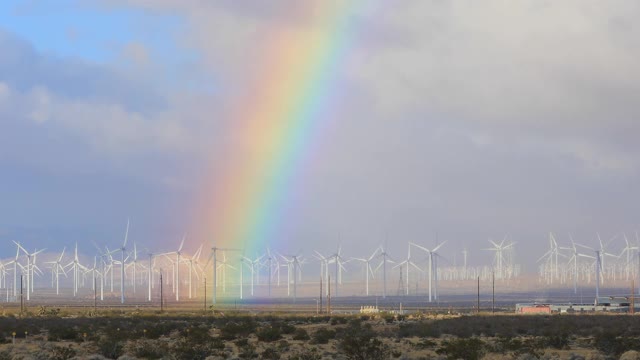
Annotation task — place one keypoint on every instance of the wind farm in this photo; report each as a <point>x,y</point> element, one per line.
<point>311,179</point>
<point>567,271</point>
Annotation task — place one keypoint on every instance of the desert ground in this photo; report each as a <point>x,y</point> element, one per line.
<point>44,332</point>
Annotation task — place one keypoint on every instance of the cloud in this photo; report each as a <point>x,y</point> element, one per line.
<point>470,119</point>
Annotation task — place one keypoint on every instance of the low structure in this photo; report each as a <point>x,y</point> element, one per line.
<point>601,304</point>
<point>369,310</point>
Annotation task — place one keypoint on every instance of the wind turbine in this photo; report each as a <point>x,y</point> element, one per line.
<point>134,265</point>
<point>574,259</point>
<point>603,252</point>
<point>324,268</point>
<point>176,278</point>
<point>193,260</point>
<point>269,260</point>
<point>338,260</point>
<point>598,264</point>
<point>122,250</point>
<point>253,265</point>
<point>293,261</point>
<point>432,253</point>
<point>499,257</point>
<point>76,267</point>
<point>385,258</point>
<point>628,250</point>
<point>31,267</point>
<point>408,264</point>
<point>56,269</point>
<point>214,256</point>
<point>368,269</point>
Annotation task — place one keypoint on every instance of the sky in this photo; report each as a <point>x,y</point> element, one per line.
<point>456,121</point>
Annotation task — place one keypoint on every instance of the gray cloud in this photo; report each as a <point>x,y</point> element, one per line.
<point>466,119</point>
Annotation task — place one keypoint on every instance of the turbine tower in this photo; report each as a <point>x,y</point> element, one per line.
<point>368,269</point>
<point>385,259</point>
<point>56,269</point>
<point>432,253</point>
<point>123,250</point>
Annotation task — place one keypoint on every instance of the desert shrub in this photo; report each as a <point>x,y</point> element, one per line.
<point>308,353</point>
<point>269,334</point>
<point>425,344</point>
<point>418,329</point>
<point>196,334</point>
<point>247,351</point>
<point>323,335</point>
<point>232,329</point>
<point>286,328</point>
<point>301,334</point>
<point>340,320</point>
<point>283,345</point>
<point>187,349</point>
<point>468,349</point>
<point>110,347</point>
<point>147,348</point>
<point>610,344</point>
<point>560,341</point>
<point>60,332</point>
<point>159,328</point>
<point>270,353</point>
<point>6,354</point>
<point>62,353</point>
<point>361,343</point>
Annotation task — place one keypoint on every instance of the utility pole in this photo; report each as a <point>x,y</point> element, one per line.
<point>478,305</point>
<point>95,294</point>
<point>493,292</point>
<point>320,293</point>
<point>21,297</point>
<point>633,305</point>
<point>161,297</point>
<point>329,296</point>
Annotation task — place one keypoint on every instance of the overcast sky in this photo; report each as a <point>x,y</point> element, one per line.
<point>465,120</point>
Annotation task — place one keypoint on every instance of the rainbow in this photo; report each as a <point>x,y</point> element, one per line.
<point>276,125</point>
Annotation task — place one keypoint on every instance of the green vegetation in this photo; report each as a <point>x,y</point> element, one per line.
<point>55,335</point>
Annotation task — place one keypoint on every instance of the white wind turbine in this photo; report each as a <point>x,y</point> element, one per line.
<point>598,265</point>
<point>574,259</point>
<point>269,261</point>
<point>603,251</point>
<point>499,257</point>
<point>76,268</point>
<point>133,264</point>
<point>324,268</point>
<point>193,261</point>
<point>628,251</point>
<point>176,264</point>
<point>15,270</point>
<point>294,270</point>
<point>407,263</point>
<point>122,251</point>
<point>432,253</point>
<point>385,259</point>
<point>56,270</point>
<point>31,268</point>
<point>368,269</point>
<point>214,256</point>
<point>150,275</point>
<point>339,262</point>
<point>253,265</point>
<point>3,274</point>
